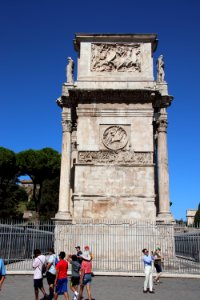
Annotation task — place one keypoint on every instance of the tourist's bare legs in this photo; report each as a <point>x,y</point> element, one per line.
<point>81,292</point>
<point>157,278</point>
<point>89,291</point>
<point>55,296</point>
<point>74,288</point>
<point>36,294</point>
<point>66,295</point>
<point>51,290</point>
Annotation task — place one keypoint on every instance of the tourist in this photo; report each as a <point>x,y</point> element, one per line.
<point>85,276</point>
<point>148,270</point>
<point>78,253</point>
<point>2,273</point>
<point>61,277</point>
<point>158,264</point>
<point>51,272</point>
<point>39,261</point>
<point>87,252</point>
<point>75,278</point>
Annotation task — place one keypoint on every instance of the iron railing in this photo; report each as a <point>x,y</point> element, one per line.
<point>116,246</point>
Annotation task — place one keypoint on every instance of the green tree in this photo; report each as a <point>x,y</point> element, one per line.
<point>11,194</point>
<point>8,166</point>
<point>39,165</point>
<point>197,217</point>
<point>49,198</point>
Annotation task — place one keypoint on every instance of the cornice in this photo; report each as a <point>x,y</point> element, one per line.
<point>72,97</point>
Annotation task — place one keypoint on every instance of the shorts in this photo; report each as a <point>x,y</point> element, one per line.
<point>87,279</point>
<point>158,268</point>
<point>61,286</point>
<point>75,281</point>
<point>50,278</point>
<point>38,283</point>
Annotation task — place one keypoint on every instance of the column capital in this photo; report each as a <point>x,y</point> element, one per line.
<point>162,121</point>
<point>66,120</point>
<point>162,125</point>
<point>66,125</point>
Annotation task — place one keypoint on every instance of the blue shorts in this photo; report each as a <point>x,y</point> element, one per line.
<point>61,286</point>
<point>87,279</point>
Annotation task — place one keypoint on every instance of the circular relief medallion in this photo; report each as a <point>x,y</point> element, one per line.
<point>115,137</point>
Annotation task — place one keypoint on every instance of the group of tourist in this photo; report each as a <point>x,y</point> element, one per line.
<point>56,269</point>
<point>150,261</point>
<point>56,273</point>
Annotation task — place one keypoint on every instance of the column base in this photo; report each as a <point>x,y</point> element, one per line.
<point>63,216</point>
<point>165,217</point>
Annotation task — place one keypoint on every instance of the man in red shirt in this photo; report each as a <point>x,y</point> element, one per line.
<point>61,277</point>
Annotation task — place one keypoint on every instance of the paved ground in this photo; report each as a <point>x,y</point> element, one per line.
<point>19,287</point>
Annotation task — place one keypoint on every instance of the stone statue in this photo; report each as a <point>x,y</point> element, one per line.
<point>70,70</point>
<point>160,69</point>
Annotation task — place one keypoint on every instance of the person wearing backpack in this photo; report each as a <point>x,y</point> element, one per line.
<point>51,272</point>
<point>75,278</point>
<point>38,263</point>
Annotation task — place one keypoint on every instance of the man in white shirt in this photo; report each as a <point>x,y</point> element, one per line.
<point>37,277</point>
<point>51,272</point>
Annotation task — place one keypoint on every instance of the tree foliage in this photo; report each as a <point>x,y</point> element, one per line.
<point>39,165</point>
<point>43,167</point>
<point>10,192</point>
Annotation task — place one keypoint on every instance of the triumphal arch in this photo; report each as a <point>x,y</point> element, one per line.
<point>114,122</point>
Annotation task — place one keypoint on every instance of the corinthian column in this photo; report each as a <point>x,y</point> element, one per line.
<point>164,213</point>
<point>64,192</point>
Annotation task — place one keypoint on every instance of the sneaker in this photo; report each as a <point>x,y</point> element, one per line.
<point>151,292</point>
<point>75,296</point>
<point>144,291</point>
<point>45,297</point>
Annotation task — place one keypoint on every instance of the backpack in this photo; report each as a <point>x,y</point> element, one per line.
<point>44,269</point>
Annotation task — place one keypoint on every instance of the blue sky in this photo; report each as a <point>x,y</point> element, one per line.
<point>36,38</point>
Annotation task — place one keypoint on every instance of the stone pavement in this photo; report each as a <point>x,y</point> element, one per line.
<point>19,287</point>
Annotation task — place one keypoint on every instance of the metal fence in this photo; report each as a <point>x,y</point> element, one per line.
<point>116,245</point>
<point>188,244</point>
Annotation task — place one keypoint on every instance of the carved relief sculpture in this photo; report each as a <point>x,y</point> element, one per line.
<point>115,58</point>
<point>160,69</point>
<point>112,157</point>
<point>70,70</point>
<point>115,138</point>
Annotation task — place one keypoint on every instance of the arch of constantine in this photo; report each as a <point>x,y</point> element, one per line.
<point>114,168</point>
<point>114,119</point>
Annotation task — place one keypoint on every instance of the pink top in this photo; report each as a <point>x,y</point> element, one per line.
<point>86,266</point>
